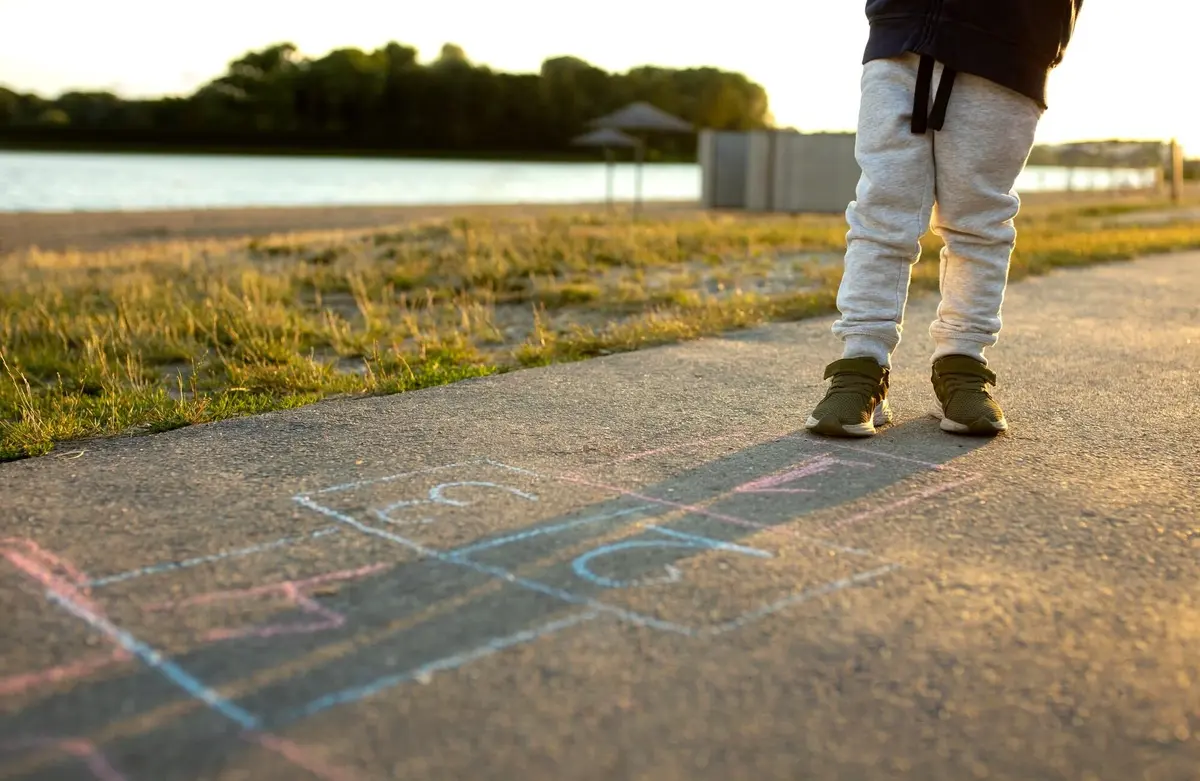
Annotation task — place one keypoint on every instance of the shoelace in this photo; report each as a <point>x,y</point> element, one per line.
<point>854,383</point>
<point>963,381</point>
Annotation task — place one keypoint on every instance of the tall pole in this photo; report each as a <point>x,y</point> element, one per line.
<point>1176,171</point>
<point>608,176</point>
<point>637,181</point>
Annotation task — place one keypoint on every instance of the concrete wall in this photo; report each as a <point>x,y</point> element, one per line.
<point>722,157</point>
<point>778,170</point>
<point>762,149</point>
<point>815,172</point>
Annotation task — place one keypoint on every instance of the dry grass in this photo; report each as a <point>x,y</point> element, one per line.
<point>159,336</point>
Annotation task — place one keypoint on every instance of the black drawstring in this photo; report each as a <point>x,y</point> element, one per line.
<point>937,117</point>
<point>922,117</point>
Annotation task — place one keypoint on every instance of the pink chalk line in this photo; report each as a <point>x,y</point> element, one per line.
<point>656,451</point>
<point>83,749</point>
<point>669,448</point>
<point>293,591</point>
<point>932,466</point>
<point>55,574</point>
<point>17,684</point>
<point>807,468</point>
<point>61,577</point>
<point>298,755</point>
<point>917,497</point>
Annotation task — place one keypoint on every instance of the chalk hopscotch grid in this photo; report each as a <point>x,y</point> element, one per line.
<point>596,609</point>
<point>195,688</point>
<point>423,671</point>
<point>966,478</point>
<point>458,556</point>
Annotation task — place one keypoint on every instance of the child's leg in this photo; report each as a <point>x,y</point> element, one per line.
<point>983,146</point>
<point>890,212</point>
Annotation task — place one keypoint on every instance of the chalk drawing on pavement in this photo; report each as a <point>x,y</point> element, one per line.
<point>582,565</point>
<point>816,465</point>
<point>437,495</point>
<point>24,682</point>
<point>587,586</point>
<point>589,546</point>
<point>83,751</point>
<point>65,586</point>
<point>171,566</point>
<point>294,592</point>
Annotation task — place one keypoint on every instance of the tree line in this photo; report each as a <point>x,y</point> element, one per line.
<point>386,101</point>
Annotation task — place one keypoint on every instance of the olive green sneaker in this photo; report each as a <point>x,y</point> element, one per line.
<point>967,407</point>
<point>856,402</point>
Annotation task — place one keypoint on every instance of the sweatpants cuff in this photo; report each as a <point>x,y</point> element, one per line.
<point>862,346</point>
<point>965,347</point>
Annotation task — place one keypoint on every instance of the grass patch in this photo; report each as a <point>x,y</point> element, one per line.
<point>156,337</point>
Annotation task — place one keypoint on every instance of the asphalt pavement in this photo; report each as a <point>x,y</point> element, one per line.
<point>639,567</point>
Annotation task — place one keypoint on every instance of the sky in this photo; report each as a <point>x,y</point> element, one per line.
<point>1121,77</point>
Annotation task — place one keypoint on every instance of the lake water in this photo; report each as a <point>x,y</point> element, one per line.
<point>65,181</point>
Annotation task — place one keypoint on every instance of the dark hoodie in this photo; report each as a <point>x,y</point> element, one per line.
<point>1014,43</point>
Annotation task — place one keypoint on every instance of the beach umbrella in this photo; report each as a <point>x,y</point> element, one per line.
<point>644,117</point>
<point>607,139</point>
<point>641,117</point>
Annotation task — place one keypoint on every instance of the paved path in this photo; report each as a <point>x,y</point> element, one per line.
<point>638,568</point>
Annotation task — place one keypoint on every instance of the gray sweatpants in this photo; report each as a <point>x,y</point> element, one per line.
<point>959,178</point>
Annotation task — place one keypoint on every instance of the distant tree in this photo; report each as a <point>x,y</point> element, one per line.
<point>10,104</point>
<point>453,55</point>
<point>54,116</point>
<point>92,109</point>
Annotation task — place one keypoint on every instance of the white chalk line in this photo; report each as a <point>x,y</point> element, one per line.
<point>390,478</point>
<point>543,530</point>
<point>171,566</point>
<point>928,493</point>
<point>824,589</point>
<point>157,661</point>
<point>454,661</point>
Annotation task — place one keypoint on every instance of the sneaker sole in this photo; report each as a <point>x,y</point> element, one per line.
<point>980,428</point>
<point>832,427</point>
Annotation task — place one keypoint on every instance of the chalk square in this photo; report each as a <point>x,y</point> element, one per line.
<point>301,638</point>
<point>686,573</point>
<point>397,652</point>
<point>722,576</point>
<point>825,490</point>
<point>786,482</point>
